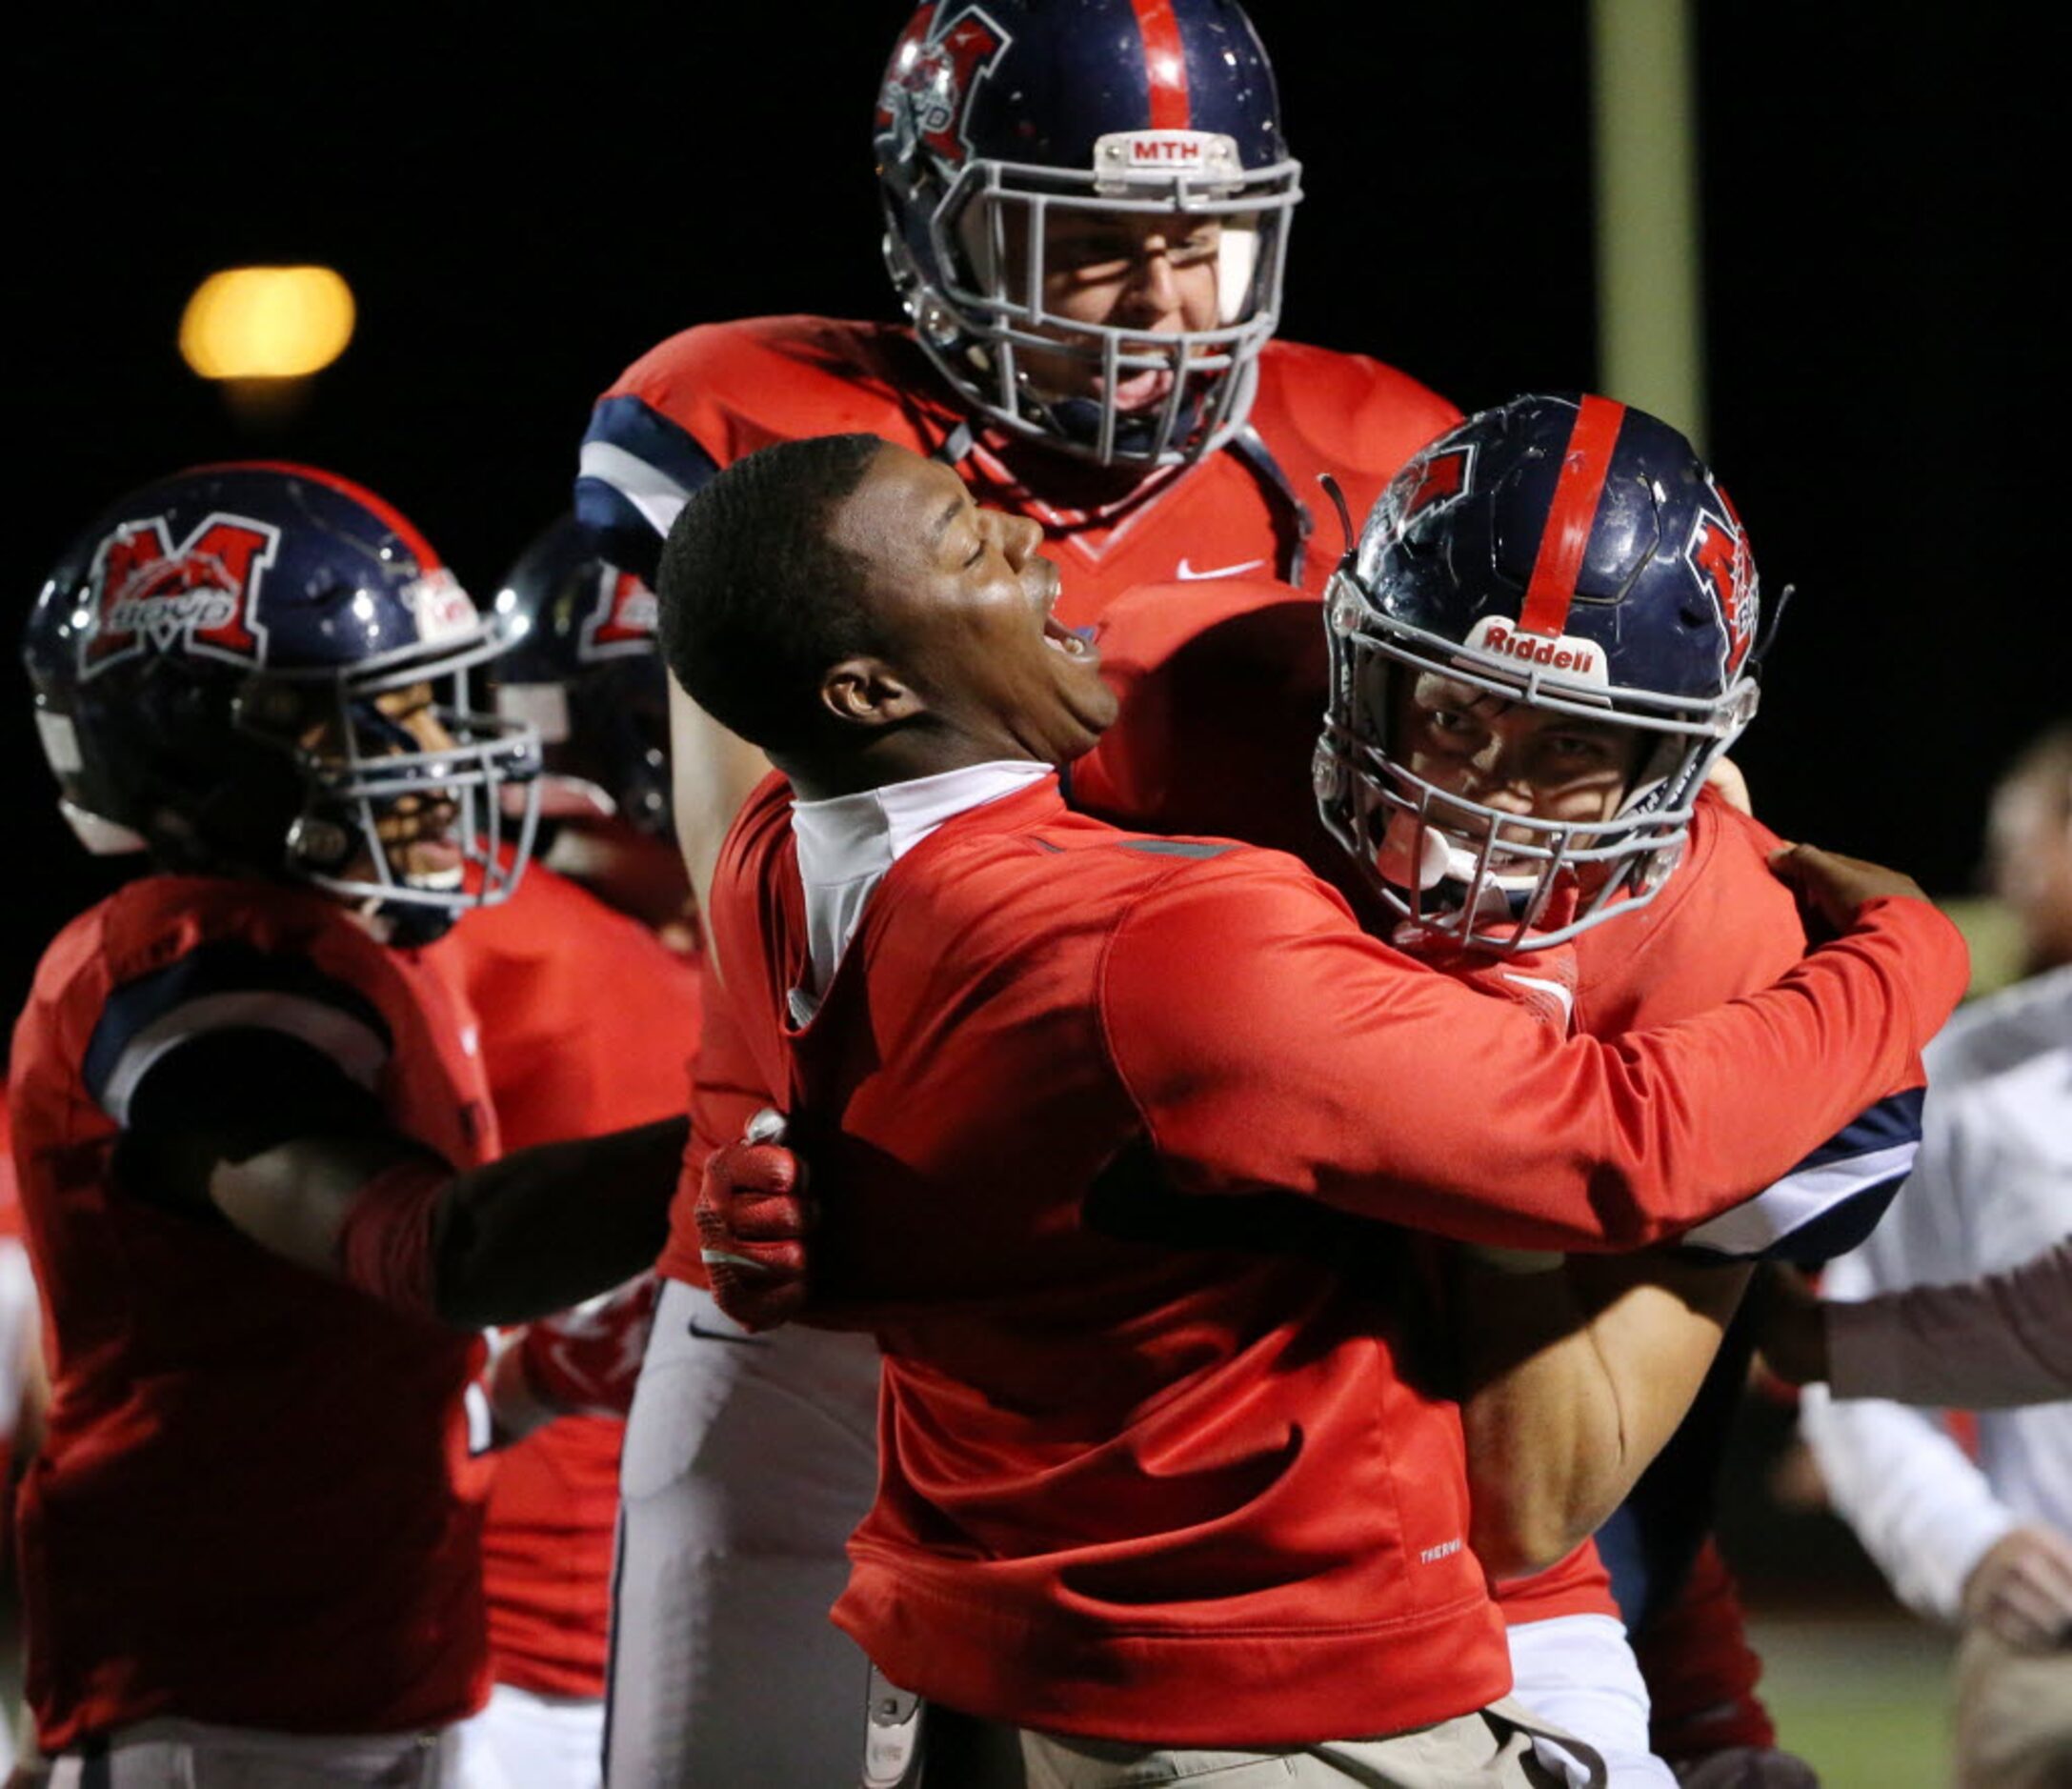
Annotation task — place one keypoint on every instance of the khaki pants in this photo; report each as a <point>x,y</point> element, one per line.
<point>1495,1746</point>
<point>2013,1715</point>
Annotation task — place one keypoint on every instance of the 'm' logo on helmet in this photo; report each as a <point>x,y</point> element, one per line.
<point>149,595</point>
<point>1441,479</point>
<point>1719,558</point>
<point>623,621</point>
<point>934,70</point>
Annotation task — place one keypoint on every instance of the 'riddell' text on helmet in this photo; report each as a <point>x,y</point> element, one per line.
<point>1006,126</point>
<point>1573,556</point>
<point>263,669</point>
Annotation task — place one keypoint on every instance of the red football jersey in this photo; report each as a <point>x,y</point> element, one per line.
<point>11,1376</point>
<point>1222,692</point>
<point>1175,1494</point>
<point>255,1503</point>
<point>587,1023</point>
<point>704,399</point>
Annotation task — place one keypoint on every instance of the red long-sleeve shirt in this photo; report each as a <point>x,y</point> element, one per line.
<point>1189,1496</point>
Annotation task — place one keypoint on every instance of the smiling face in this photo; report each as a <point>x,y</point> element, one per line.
<point>1152,273</point>
<point>415,830</point>
<point>962,602</point>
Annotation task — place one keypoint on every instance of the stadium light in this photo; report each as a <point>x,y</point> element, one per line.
<point>267,323</point>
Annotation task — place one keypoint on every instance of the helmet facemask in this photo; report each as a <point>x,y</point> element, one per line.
<point>1481,878</point>
<point>987,325</point>
<point>369,783</point>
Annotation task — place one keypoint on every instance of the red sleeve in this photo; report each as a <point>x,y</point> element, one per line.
<point>727,1084</point>
<point>726,1092</point>
<point>1268,1043</point>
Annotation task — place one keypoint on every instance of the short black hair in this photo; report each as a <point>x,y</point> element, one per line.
<point>755,602</point>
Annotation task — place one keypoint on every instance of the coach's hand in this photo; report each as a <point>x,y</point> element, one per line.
<point>1833,887</point>
<point>753,1216</point>
<point>2022,1588</point>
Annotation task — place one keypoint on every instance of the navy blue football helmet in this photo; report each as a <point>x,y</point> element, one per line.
<point>998,116</point>
<point>585,671</point>
<point>1572,555</point>
<point>230,668</point>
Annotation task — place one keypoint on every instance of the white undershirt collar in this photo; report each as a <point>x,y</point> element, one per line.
<point>846,844</point>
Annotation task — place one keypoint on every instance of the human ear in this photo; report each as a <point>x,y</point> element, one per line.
<point>867,692</point>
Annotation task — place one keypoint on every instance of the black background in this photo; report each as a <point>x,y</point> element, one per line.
<point>526,197</point>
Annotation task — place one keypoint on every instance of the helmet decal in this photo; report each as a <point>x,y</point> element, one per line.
<point>146,594</point>
<point>444,610</point>
<point>1719,557</point>
<point>934,74</point>
<point>625,618</point>
<point>1441,477</point>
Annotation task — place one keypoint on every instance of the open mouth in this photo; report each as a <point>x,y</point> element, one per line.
<point>1139,391</point>
<point>428,863</point>
<point>1061,638</point>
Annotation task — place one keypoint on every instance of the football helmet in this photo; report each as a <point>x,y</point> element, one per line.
<point>996,116</point>
<point>585,672</point>
<point>1572,555</point>
<point>226,669</point>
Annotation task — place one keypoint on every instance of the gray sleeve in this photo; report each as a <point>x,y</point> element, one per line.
<point>2003,1339</point>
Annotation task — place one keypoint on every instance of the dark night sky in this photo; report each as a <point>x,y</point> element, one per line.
<point>525,196</point>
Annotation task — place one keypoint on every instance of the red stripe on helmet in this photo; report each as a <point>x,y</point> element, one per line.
<point>1586,464</point>
<point>400,524</point>
<point>1165,64</point>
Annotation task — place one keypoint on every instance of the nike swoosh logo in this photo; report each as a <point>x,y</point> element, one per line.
<point>1189,573</point>
<point>1560,991</point>
<point>720,1335</point>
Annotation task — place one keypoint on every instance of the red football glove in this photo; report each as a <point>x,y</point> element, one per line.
<point>579,1363</point>
<point>753,1216</point>
<point>585,1361</point>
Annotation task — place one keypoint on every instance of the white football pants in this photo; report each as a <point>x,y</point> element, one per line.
<point>748,1461</point>
<point>526,1740</point>
<point>1578,1672</point>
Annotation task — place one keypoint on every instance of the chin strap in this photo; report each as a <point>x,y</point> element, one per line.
<point>1280,494</point>
<point>956,446</point>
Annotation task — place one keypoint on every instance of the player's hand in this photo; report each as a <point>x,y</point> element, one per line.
<point>1833,887</point>
<point>2022,1588</point>
<point>1747,1767</point>
<point>753,1216</point>
<point>1791,1328</point>
<point>584,1361</point>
